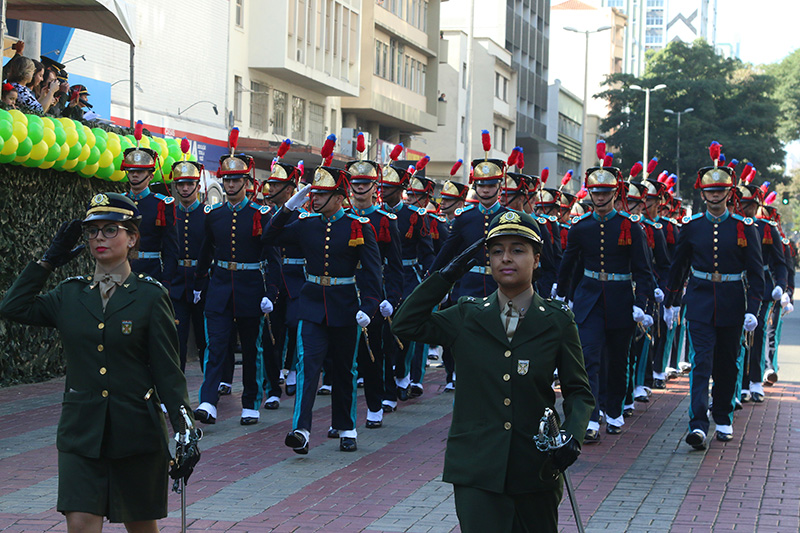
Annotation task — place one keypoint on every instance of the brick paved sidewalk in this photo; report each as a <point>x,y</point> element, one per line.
<point>643,480</point>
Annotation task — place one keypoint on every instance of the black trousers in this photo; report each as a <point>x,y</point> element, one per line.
<point>270,354</point>
<point>480,511</point>
<point>371,367</point>
<point>188,315</point>
<point>755,357</point>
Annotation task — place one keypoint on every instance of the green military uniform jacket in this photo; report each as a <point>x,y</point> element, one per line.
<point>114,357</point>
<point>503,387</point>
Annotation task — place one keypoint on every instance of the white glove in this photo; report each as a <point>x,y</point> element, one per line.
<point>570,304</point>
<point>648,321</point>
<point>266,305</point>
<point>785,300</point>
<point>750,322</point>
<point>362,319</point>
<point>788,309</point>
<point>196,295</point>
<point>777,293</point>
<point>668,318</point>
<point>559,298</point>
<point>638,314</point>
<point>298,199</point>
<point>659,295</point>
<point>554,290</point>
<point>386,309</point>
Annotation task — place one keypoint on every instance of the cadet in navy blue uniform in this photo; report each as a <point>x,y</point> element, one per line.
<point>720,253</point>
<point>332,312</point>
<point>372,363</point>
<point>158,248</point>
<point>233,231</point>
<point>547,209</point>
<point>610,247</point>
<point>190,220</point>
<point>416,249</point>
<point>775,294</point>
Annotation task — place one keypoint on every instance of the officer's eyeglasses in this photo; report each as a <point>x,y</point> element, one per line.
<point>109,232</point>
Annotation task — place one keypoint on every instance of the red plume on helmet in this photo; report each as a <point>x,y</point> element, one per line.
<point>565,179</point>
<point>137,131</point>
<point>185,146</point>
<point>764,187</point>
<point>770,198</point>
<point>601,149</point>
<point>752,175</point>
<point>422,163</point>
<point>486,140</point>
<point>284,147</point>
<point>662,178</point>
<point>456,167</point>
<point>608,160</point>
<point>520,160</point>
<point>301,167</point>
<point>582,193</point>
<point>326,152</point>
<point>361,143</point>
<point>748,168</point>
<point>714,150</point>
<point>233,139</point>
<point>545,175</point>
<point>733,162</point>
<point>396,151</point>
<point>635,170</point>
<point>651,166</point>
<point>512,157</point>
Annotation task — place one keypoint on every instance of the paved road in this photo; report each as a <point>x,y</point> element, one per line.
<point>643,480</point>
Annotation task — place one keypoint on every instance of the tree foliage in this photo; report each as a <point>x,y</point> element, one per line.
<point>787,93</point>
<point>733,104</point>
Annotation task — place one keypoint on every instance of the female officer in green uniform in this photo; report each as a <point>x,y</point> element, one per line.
<point>121,346</point>
<point>506,347</point>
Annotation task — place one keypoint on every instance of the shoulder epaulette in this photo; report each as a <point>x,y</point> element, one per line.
<point>561,306</point>
<point>145,277</point>
<point>209,208</point>
<point>656,225</point>
<point>551,218</point>
<point>306,214</point>
<point>85,279</point>
<point>166,199</point>
<point>785,241</point>
<point>440,218</point>
<point>772,223</point>
<point>391,216</point>
<point>577,219</point>
<point>671,220</point>
<point>417,210</point>
<point>541,220</point>
<point>464,209</point>
<point>363,220</point>
<point>687,218</point>
<point>632,218</point>
<point>263,209</point>
<point>747,220</point>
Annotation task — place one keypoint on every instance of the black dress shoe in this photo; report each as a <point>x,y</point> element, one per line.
<point>201,415</point>
<point>297,442</point>
<point>291,390</point>
<point>324,391</point>
<point>643,399</point>
<point>737,406</point>
<point>592,436</point>
<point>696,439</point>
<point>333,433</point>
<point>388,408</point>
<point>249,420</point>
<point>723,437</point>
<point>757,397</point>
<point>627,412</point>
<point>402,394</point>
<point>659,384</point>
<point>371,424</point>
<point>224,390</point>
<point>415,391</point>
<point>611,429</point>
<point>348,444</point>
<point>274,404</point>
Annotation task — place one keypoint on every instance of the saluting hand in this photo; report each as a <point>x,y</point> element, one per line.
<point>298,199</point>
<point>63,250</point>
<point>462,262</point>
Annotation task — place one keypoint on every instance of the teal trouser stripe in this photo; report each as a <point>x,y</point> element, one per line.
<point>668,341</point>
<point>260,370</point>
<point>740,365</point>
<point>298,397</point>
<point>690,358</point>
<point>354,372</point>
<point>641,364</point>
<point>205,354</point>
<point>778,331</point>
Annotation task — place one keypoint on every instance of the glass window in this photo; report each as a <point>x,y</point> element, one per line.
<point>240,13</point>
<point>316,124</point>
<point>464,76</point>
<point>259,103</point>
<point>298,118</point>
<point>279,112</point>
<point>237,98</point>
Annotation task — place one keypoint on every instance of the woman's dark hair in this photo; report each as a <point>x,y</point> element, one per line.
<point>133,227</point>
<point>38,66</point>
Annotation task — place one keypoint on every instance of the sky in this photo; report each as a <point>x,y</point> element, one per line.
<point>766,29</point>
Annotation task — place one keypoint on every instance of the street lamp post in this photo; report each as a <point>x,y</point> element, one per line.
<point>585,80</point>
<point>647,91</point>
<point>678,148</point>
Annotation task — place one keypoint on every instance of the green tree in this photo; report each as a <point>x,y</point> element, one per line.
<point>787,93</point>
<point>733,105</point>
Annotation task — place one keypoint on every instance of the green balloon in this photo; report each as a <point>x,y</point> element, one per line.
<point>35,133</point>
<point>5,116</point>
<point>100,133</point>
<point>100,143</point>
<point>74,151</point>
<point>33,162</point>
<point>81,135</point>
<point>7,158</point>
<point>59,165</point>
<point>94,156</point>
<point>61,135</point>
<point>52,153</point>
<point>105,172</point>
<point>6,128</point>
<point>35,119</point>
<point>131,139</point>
<point>157,148</point>
<point>157,177</point>
<point>126,143</point>
<point>25,147</point>
<point>79,166</point>
<point>118,162</point>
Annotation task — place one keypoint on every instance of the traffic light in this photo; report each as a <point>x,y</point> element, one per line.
<point>785,199</point>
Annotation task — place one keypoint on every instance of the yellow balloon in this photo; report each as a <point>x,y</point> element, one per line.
<point>47,122</point>
<point>49,137</point>
<point>145,142</point>
<point>39,150</point>
<point>90,140</point>
<point>20,129</point>
<point>22,158</point>
<point>69,164</point>
<point>106,158</point>
<point>19,116</point>
<point>67,123</point>
<point>118,175</point>
<point>113,146</point>
<point>90,170</point>
<point>10,146</point>
<point>47,164</point>
<point>72,136</point>
<point>64,152</point>
<point>85,152</point>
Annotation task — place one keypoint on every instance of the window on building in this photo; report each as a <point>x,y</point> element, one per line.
<point>298,118</point>
<point>501,87</point>
<point>500,134</point>
<point>239,13</point>
<point>237,98</point>
<point>279,112</point>
<point>259,103</point>
<point>464,76</point>
<point>378,57</point>
<point>316,124</point>
<point>393,60</point>
<point>463,129</point>
<point>334,123</point>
